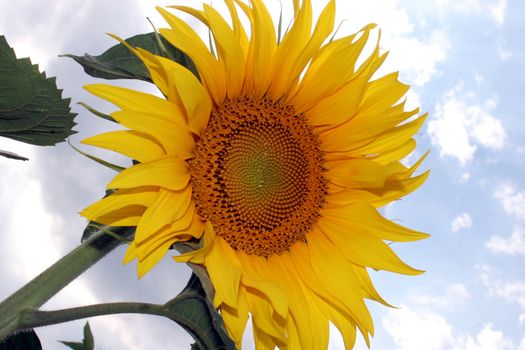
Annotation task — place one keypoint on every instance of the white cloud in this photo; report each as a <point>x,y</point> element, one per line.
<point>455,295</point>
<point>460,222</point>
<point>521,319</point>
<point>494,10</point>
<point>512,200</point>
<point>461,6</point>
<point>513,245</point>
<point>497,10</point>
<point>510,290</point>
<point>413,329</point>
<point>522,344</point>
<point>416,58</point>
<point>459,127</point>
<point>416,330</point>
<point>479,78</point>
<point>503,53</point>
<point>29,244</point>
<point>45,39</point>
<point>465,177</point>
<point>486,339</point>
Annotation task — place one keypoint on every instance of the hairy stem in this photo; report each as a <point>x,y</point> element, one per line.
<point>35,318</point>
<point>44,286</point>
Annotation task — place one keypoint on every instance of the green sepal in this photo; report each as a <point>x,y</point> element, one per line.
<point>97,113</point>
<point>118,62</point>
<point>194,312</point>
<point>32,109</point>
<point>100,161</point>
<point>88,343</point>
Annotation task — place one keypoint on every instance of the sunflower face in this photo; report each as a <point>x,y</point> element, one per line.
<point>258,175</point>
<point>277,159</point>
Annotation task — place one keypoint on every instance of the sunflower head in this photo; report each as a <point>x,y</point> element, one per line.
<point>278,158</point>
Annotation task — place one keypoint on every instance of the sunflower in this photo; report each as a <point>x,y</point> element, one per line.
<point>277,157</point>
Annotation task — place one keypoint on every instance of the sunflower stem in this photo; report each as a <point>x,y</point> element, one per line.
<point>30,318</point>
<point>44,286</point>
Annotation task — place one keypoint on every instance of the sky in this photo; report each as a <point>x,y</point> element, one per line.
<point>465,61</point>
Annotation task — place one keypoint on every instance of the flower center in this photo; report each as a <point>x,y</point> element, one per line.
<point>257,175</point>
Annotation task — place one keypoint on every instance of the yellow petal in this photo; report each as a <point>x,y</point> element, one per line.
<point>360,173</point>
<point>184,38</point>
<point>133,100</point>
<point>362,217</point>
<point>167,208</point>
<point>238,27</point>
<point>126,216</point>
<point>171,133</point>
<point>225,272</point>
<point>311,325</point>
<point>133,144</point>
<point>118,200</point>
<point>235,319</point>
<point>199,256</point>
<point>259,64</point>
<point>131,253</point>
<point>332,68</point>
<point>364,129</point>
<point>200,15</point>
<point>188,93</point>
<point>197,227</point>
<point>408,174</point>
<point>255,280</point>
<point>391,139</point>
<point>367,286</point>
<point>177,231</point>
<point>340,106</point>
<point>382,93</point>
<point>396,189</point>
<point>262,340</point>
<point>303,266</point>
<point>230,51</point>
<point>345,326</point>
<point>398,153</point>
<point>332,270</point>
<point>288,52</point>
<point>157,74</point>
<point>166,172</point>
<point>361,248</point>
<point>153,259</point>
<point>261,312</point>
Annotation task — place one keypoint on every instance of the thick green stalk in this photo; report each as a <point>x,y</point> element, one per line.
<point>36,318</point>
<point>38,291</point>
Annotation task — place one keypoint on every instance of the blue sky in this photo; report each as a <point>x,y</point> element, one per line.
<point>466,64</point>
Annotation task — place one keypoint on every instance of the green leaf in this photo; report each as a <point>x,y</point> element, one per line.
<point>26,340</point>
<point>118,62</point>
<point>88,343</point>
<point>12,155</point>
<point>193,311</point>
<point>32,109</point>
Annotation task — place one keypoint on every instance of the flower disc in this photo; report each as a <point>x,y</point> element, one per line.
<point>257,175</point>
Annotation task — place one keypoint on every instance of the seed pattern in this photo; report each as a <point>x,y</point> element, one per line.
<point>258,176</point>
